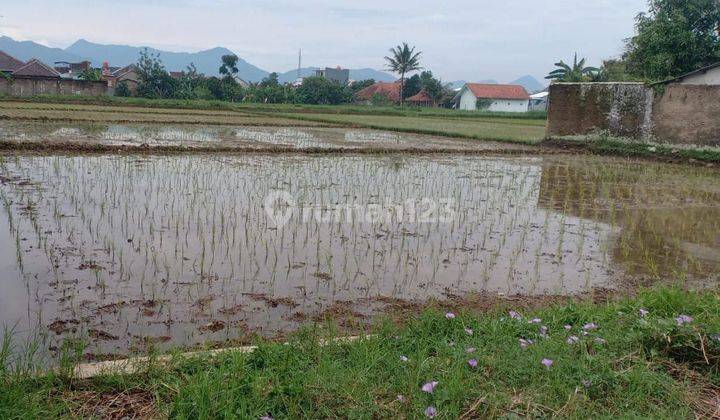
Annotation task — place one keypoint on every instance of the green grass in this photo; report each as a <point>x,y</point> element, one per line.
<point>284,108</point>
<point>501,129</point>
<point>648,367</point>
<point>605,145</point>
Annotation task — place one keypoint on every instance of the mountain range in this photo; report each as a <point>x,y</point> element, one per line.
<point>206,61</point>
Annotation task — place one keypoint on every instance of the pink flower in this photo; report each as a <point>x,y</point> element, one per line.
<point>429,387</point>
<point>589,327</point>
<point>643,312</point>
<point>473,363</point>
<point>585,383</point>
<point>683,319</point>
<point>268,417</point>
<point>431,412</point>
<point>535,321</point>
<point>600,341</point>
<point>515,315</point>
<point>568,327</point>
<point>547,362</point>
<point>572,339</point>
<point>470,350</point>
<point>404,358</point>
<point>468,331</point>
<point>525,343</point>
<point>450,315</point>
<point>400,398</point>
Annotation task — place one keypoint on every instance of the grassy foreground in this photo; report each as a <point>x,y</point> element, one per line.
<point>615,359</point>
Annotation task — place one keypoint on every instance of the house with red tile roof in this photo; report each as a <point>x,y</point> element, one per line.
<point>492,97</point>
<point>391,92</point>
<point>420,99</point>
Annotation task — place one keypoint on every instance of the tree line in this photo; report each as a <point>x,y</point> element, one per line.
<point>155,82</point>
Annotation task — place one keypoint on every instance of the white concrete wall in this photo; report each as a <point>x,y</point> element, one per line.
<point>468,102</point>
<point>710,77</point>
<point>509,105</point>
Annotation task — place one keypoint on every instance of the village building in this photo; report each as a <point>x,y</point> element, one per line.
<point>8,63</point>
<point>539,101</point>
<point>389,91</point>
<point>709,75</point>
<point>492,97</point>
<point>36,68</point>
<point>127,75</point>
<point>337,75</point>
<point>72,70</point>
<point>421,99</point>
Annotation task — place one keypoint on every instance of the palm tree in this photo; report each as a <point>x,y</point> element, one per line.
<point>403,60</point>
<point>577,73</point>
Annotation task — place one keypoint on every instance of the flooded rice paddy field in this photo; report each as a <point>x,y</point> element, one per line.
<point>223,136</point>
<point>133,251</point>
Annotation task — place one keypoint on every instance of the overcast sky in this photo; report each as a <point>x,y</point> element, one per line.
<point>460,39</point>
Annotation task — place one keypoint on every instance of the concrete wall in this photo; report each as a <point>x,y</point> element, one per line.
<point>468,102</point>
<point>688,114</point>
<point>681,114</point>
<point>28,86</point>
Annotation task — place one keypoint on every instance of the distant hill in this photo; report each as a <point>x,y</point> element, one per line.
<point>27,50</point>
<point>355,74</point>
<point>529,83</point>
<point>207,61</point>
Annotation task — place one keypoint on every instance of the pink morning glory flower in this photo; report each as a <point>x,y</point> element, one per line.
<point>429,387</point>
<point>515,315</point>
<point>470,350</point>
<point>547,362</point>
<point>643,312</point>
<point>450,315</point>
<point>590,326</point>
<point>468,331</point>
<point>473,363</point>
<point>400,398</point>
<point>404,358</point>
<point>572,339</point>
<point>431,412</point>
<point>568,327</point>
<point>266,418</point>
<point>535,321</point>
<point>683,319</point>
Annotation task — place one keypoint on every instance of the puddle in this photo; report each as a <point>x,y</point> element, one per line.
<point>134,251</point>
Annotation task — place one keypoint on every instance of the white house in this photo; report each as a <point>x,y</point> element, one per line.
<point>539,101</point>
<point>709,75</point>
<point>499,98</point>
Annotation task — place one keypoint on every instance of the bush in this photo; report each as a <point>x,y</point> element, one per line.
<point>122,90</point>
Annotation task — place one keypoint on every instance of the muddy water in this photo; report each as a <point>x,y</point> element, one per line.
<point>207,136</point>
<point>134,251</point>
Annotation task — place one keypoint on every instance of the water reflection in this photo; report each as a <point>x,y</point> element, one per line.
<point>179,250</point>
